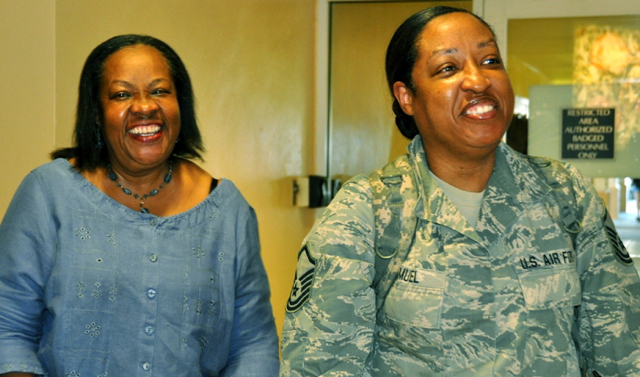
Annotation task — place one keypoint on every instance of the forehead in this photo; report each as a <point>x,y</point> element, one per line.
<point>135,58</point>
<point>453,28</point>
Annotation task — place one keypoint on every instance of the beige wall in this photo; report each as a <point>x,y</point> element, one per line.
<point>251,62</point>
<point>27,64</point>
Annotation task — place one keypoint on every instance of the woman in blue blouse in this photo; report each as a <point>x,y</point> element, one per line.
<point>121,256</point>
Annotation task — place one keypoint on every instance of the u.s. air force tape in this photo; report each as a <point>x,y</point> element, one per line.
<point>303,280</point>
<point>617,246</point>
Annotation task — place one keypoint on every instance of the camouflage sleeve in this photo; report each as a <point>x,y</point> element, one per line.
<point>328,327</point>
<point>608,320</point>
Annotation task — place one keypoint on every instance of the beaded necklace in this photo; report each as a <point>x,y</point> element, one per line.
<point>141,198</point>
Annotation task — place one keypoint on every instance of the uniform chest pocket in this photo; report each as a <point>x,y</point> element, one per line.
<point>551,288</point>
<point>415,299</point>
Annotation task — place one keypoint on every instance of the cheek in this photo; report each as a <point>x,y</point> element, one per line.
<point>112,132</point>
<point>113,123</point>
<point>438,103</point>
<point>177,116</point>
<point>440,95</point>
<point>503,84</point>
<point>175,122</point>
<point>509,100</point>
<point>172,111</point>
<point>113,115</point>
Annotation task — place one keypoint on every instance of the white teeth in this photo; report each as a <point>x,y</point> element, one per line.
<point>480,110</point>
<point>145,130</point>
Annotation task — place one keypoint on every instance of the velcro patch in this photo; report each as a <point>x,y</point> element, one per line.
<point>301,290</point>
<point>619,250</point>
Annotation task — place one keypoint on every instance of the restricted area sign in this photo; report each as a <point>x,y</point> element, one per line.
<point>588,134</point>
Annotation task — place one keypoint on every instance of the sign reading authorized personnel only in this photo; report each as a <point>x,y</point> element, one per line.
<point>588,134</point>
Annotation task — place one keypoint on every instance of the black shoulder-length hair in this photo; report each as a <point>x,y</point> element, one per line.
<point>87,135</point>
<point>402,54</point>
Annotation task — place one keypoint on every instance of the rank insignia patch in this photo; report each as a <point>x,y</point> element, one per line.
<point>303,281</point>
<point>617,246</point>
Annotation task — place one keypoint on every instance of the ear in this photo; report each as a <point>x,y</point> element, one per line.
<point>404,96</point>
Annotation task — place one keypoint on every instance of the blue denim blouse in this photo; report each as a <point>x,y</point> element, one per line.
<point>90,288</point>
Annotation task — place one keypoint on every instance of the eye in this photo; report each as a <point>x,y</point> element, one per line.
<point>120,96</point>
<point>492,61</point>
<point>447,69</point>
<point>160,91</point>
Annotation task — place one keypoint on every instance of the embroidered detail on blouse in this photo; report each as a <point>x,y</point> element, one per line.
<point>80,287</point>
<point>203,342</point>
<point>83,233</point>
<point>97,292</point>
<point>112,239</point>
<point>93,330</point>
<point>198,252</point>
<point>113,291</point>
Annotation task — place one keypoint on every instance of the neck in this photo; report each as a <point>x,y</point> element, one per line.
<point>142,195</point>
<point>466,174</point>
<point>139,178</point>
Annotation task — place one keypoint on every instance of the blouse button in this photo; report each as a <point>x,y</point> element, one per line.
<point>149,330</point>
<point>153,222</point>
<point>146,366</point>
<point>151,293</point>
<point>153,257</point>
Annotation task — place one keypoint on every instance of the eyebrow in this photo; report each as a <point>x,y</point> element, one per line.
<point>445,51</point>
<point>127,83</point>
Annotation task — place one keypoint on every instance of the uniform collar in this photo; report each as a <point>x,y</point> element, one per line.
<point>512,176</point>
<point>432,204</point>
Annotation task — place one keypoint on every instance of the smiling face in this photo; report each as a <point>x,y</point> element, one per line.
<point>141,115</point>
<point>462,99</point>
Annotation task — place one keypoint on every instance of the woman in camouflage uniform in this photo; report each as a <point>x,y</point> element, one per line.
<point>513,267</point>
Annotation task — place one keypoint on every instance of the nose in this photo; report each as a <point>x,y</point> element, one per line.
<point>475,79</point>
<point>144,106</point>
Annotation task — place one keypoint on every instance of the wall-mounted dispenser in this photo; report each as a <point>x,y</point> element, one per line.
<point>312,191</point>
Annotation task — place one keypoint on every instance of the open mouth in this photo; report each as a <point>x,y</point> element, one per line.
<point>480,110</point>
<point>145,130</point>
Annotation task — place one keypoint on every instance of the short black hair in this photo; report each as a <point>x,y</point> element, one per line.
<point>402,53</point>
<point>87,134</point>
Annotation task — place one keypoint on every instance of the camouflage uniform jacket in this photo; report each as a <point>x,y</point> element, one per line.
<point>511,297</point>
